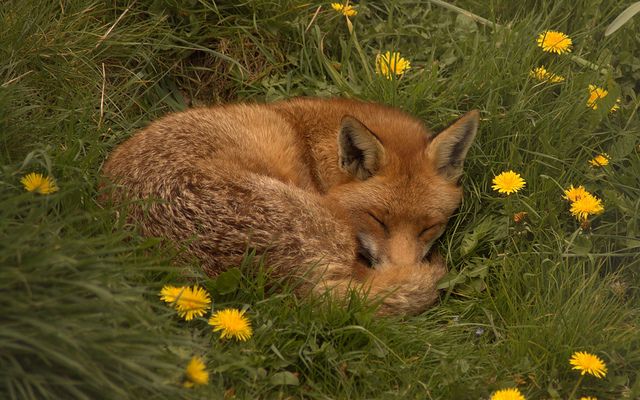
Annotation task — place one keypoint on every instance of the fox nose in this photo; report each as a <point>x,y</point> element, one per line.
<point>403,250</point>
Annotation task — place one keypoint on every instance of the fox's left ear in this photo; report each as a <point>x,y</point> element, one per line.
<point>449,148</point>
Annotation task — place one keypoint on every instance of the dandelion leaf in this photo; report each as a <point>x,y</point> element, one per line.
<point>228,281</point>
<point>623,146</point>
<point>284,378</point>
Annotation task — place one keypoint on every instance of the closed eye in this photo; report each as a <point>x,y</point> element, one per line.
<point>427,229</point>
<point>379,221</point>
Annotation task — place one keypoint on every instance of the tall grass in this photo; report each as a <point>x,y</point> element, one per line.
<point>78,287</point>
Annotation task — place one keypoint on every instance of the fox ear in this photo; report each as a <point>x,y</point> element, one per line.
<point>449,148</point>
<point>360,152</point>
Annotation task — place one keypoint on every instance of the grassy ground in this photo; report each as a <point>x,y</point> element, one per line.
<point>78,290</point>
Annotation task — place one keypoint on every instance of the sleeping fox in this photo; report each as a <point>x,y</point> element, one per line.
<point>339,193</point>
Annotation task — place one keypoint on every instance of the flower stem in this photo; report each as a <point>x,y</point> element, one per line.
<point>577,59</point>
<point>573,392</point>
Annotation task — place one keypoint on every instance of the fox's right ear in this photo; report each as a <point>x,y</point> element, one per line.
<point>449,148</point>
<point>360,152</point>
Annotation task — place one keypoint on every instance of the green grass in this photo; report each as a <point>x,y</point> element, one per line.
<point>78,288</point>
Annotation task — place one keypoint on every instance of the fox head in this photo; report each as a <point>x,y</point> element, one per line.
<point>404,185</point>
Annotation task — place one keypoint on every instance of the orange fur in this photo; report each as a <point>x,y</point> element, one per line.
<point>338,192</point>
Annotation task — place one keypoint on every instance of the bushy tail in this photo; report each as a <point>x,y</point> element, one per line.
<point>400,290</point>
<point>218,214</point>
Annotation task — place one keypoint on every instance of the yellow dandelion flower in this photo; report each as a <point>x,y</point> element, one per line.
<point>588,398</point>
<point>508,182</point>
<point>541,74</point>
<point>170,294</point>
<point>585,206</point>
<point>231,323</point>
<point>390,64</point>
<point>507,394</point>
<point>575,193</point>
<point>192,302</point>
<point>554,42</point>
<point>595,94</point>
<point>189,302</point>
<point>616,106</point>
<point>195,374</point>
<point>38,183</point>
<point>346,9</point>
<point>600,160</point>
<point>588,363</point>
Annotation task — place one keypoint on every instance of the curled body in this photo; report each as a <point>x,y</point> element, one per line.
<point>338,193</point>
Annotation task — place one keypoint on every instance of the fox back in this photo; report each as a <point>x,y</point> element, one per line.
<point>337,193</point>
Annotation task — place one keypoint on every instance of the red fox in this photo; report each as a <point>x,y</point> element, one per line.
<point>339,193</point>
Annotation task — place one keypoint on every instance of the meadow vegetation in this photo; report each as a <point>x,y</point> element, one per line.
<point>81,315</point>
